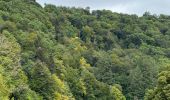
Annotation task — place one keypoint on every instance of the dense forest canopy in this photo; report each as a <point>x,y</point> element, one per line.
<point>61,53</point>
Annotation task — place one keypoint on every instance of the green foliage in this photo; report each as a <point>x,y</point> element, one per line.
<point>60,53</point>
<point>13,80</point>
<point>117,94</point>
<point>162,90</point>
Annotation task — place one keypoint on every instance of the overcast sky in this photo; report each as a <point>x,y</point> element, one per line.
<point>124,6</point>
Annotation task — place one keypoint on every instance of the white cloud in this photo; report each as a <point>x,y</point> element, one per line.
<point>124,6</point>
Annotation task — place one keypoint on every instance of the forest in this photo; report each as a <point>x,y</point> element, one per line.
<point>68,53</point>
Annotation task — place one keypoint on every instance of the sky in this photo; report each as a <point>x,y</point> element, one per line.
<point>121,6</point>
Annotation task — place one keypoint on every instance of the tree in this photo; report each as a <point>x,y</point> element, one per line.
<point>13,80</point>
<point>117,95</point>
<point>47,85</point>
<point>142,77</point>
<point>162,90</point>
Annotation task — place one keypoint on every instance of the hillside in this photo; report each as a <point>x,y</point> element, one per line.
<point>60,53</point>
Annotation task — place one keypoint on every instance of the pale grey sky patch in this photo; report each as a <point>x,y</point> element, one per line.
<point>121,6</point>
